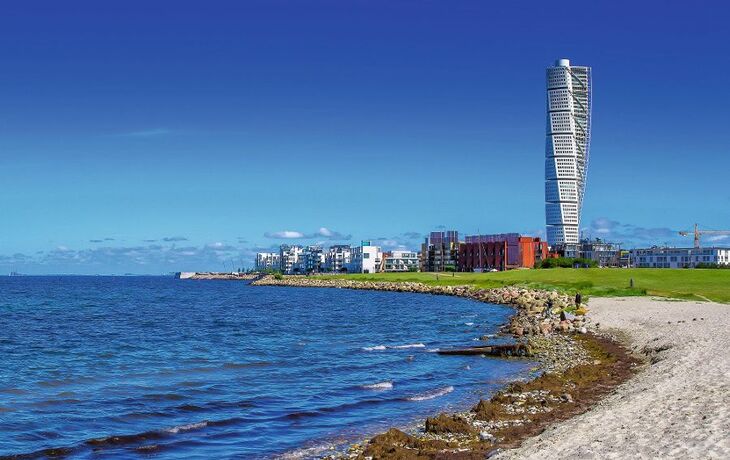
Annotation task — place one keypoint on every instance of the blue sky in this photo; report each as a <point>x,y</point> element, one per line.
<point>148,137</point>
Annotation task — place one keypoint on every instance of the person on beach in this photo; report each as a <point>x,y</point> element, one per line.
<point>578,299</point>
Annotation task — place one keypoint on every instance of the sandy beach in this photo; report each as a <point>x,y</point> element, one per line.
<point>678,406</point>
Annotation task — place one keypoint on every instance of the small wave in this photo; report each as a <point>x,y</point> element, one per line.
<point>188,427</point>
<point>148,435</point>
<point>394,347</point>
<point>125,439</point>
<point>468,324</point>
<point>431,394</point>
<point>307,452</point>
<point>163,396</point>
<point>433,350</point>
<point>378,347</point>
<point>190,408</point>
<point>52,402</point>
<point>411,345</point>
<point>62,382</point>
<point>245,365</point>
<point>316,412</point>
<point>379,386</point>
<point>13,391</point>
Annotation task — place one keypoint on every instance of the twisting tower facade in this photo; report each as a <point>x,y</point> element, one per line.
<point>566,150</point>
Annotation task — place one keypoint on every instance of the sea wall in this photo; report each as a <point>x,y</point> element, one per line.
<point>538,312</point>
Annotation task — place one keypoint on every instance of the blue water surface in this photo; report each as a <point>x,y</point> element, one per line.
<point>151,366</point>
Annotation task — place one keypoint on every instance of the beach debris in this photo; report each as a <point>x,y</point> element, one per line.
<point>512,349</point>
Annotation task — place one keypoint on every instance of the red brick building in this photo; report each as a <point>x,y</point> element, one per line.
<point>500,252</point>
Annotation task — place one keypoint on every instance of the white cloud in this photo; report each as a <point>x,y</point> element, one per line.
<point>323,232</point>
<point>284,235</point>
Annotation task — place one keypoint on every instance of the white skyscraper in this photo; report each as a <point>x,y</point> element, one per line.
<point>566,149</point>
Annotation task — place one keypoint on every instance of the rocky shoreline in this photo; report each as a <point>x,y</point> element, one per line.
<point>519,411</point>
<point>578,366</point>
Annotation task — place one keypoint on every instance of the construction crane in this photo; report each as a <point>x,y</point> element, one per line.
<point>698,232</point>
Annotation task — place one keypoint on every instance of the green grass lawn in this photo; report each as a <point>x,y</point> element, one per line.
<point>599,282</point>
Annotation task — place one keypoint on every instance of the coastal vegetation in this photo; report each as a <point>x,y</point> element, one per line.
<point>567,262</point>
<point>694,284</point>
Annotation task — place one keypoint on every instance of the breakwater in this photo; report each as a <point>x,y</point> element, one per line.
<point>537,312</point>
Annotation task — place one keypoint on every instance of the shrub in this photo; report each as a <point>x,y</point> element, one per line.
<point>712,265</point>
<point>568,262</point>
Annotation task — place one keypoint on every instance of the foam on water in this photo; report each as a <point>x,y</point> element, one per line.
<point>432,394</point>
<point>394,347</point>
<point>375,348</point>
<point>188,427</point>
<point>379,386</point>
<point>410,345</point>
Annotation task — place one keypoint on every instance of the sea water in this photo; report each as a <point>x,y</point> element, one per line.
<point>130,366</point>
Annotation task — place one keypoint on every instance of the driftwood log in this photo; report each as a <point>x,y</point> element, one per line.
<point>514,349</point>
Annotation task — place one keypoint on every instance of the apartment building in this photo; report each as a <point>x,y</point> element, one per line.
<point>366,258</point>
<point>503,251</point>
<point>267,261</point>
<point>440,252</point>
<point>604,253</point>
<point>337,257</point>
<point>400,261</point>
<point>289,256</point>
<point>311,260</point>
<point>662,257</point>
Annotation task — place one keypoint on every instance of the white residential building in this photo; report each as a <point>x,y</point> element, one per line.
<point>566,149</point>
<point>338,257</point>
<point>268,261</point>
<point>679,257</point>
<point>311,260</point>
<point>366,258</point>
<point>400,261</point>
<point>289,257</point>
